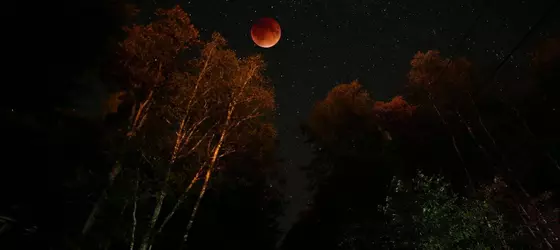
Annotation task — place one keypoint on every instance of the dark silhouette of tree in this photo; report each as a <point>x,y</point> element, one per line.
<point>444,90</point>
<point>352,138</point>
<point>491,136</point>
<point>147,59</point>
<point>540,108</point>
<point>194,107</point>
<point>169,106</point>
<point>443,125</point>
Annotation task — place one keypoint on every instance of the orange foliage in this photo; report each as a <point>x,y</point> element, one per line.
<point>341,101</point>
<point>227,84</point>
<point>350,96</point>
<point>445,79</point>
<point>424,65</point>
<point>149,51</point>
<point>397,104</point>
<point>351,101</point>
<point>432,72</point>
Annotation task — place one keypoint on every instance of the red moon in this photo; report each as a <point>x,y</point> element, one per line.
<point>265,32</point>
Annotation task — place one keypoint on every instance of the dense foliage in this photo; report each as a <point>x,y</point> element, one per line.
<point>449,124</point>
<point>426,215</point>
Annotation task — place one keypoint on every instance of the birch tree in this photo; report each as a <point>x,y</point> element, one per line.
<point>214,108</point>
<point>201,109</point>
<point>241,103</point>
<point>185,108</point>
<point>145,61</point>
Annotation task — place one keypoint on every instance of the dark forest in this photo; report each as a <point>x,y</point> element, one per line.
<point>134,134</point>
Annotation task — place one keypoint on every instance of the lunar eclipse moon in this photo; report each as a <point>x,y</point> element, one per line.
<point>266,32</point>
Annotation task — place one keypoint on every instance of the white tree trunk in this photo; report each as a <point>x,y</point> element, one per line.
<point>180,201</point>
<point>136,123</point>
<point>162,194</point>
<point>153,220</point>
<point>134,210</point>
<point>91,218</point>
<point>213,161</point>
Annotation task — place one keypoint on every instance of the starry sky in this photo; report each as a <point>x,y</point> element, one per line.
<point>327,42</point>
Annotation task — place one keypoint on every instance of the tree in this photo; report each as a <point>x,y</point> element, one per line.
<point>239,210</point>
<point>245,100</point>
<point>148,58</point>
<point>481,116</point>
<point>450,94</point>
<point>488,120</point>
<point>542,106</point>
<point>352,138</point>
<point>216,111</point>
<point>424,214</point>
<point>446,80</point>
<point>193,103</point>
<point>531,220</point>
<point>145,63</point>
<point>446,118</point>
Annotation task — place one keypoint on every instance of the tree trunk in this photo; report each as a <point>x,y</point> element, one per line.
<point>193,214</point>
<point>213,162</point>
<point>136,123</point>
<point>162,194</point>
<point>216,153</point>
<point>157,210</point>
<point>91,219</point>
<point>134,210</point>
<point>180,201</point>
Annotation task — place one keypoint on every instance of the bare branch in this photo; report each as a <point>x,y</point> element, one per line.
<point>249,117</point>
<point>226,152</point>
<point>140,117</point>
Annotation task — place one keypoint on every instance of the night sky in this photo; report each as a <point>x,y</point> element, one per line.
<point>327,42</point>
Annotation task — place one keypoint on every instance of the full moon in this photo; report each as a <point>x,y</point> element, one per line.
<point>265,32</point>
